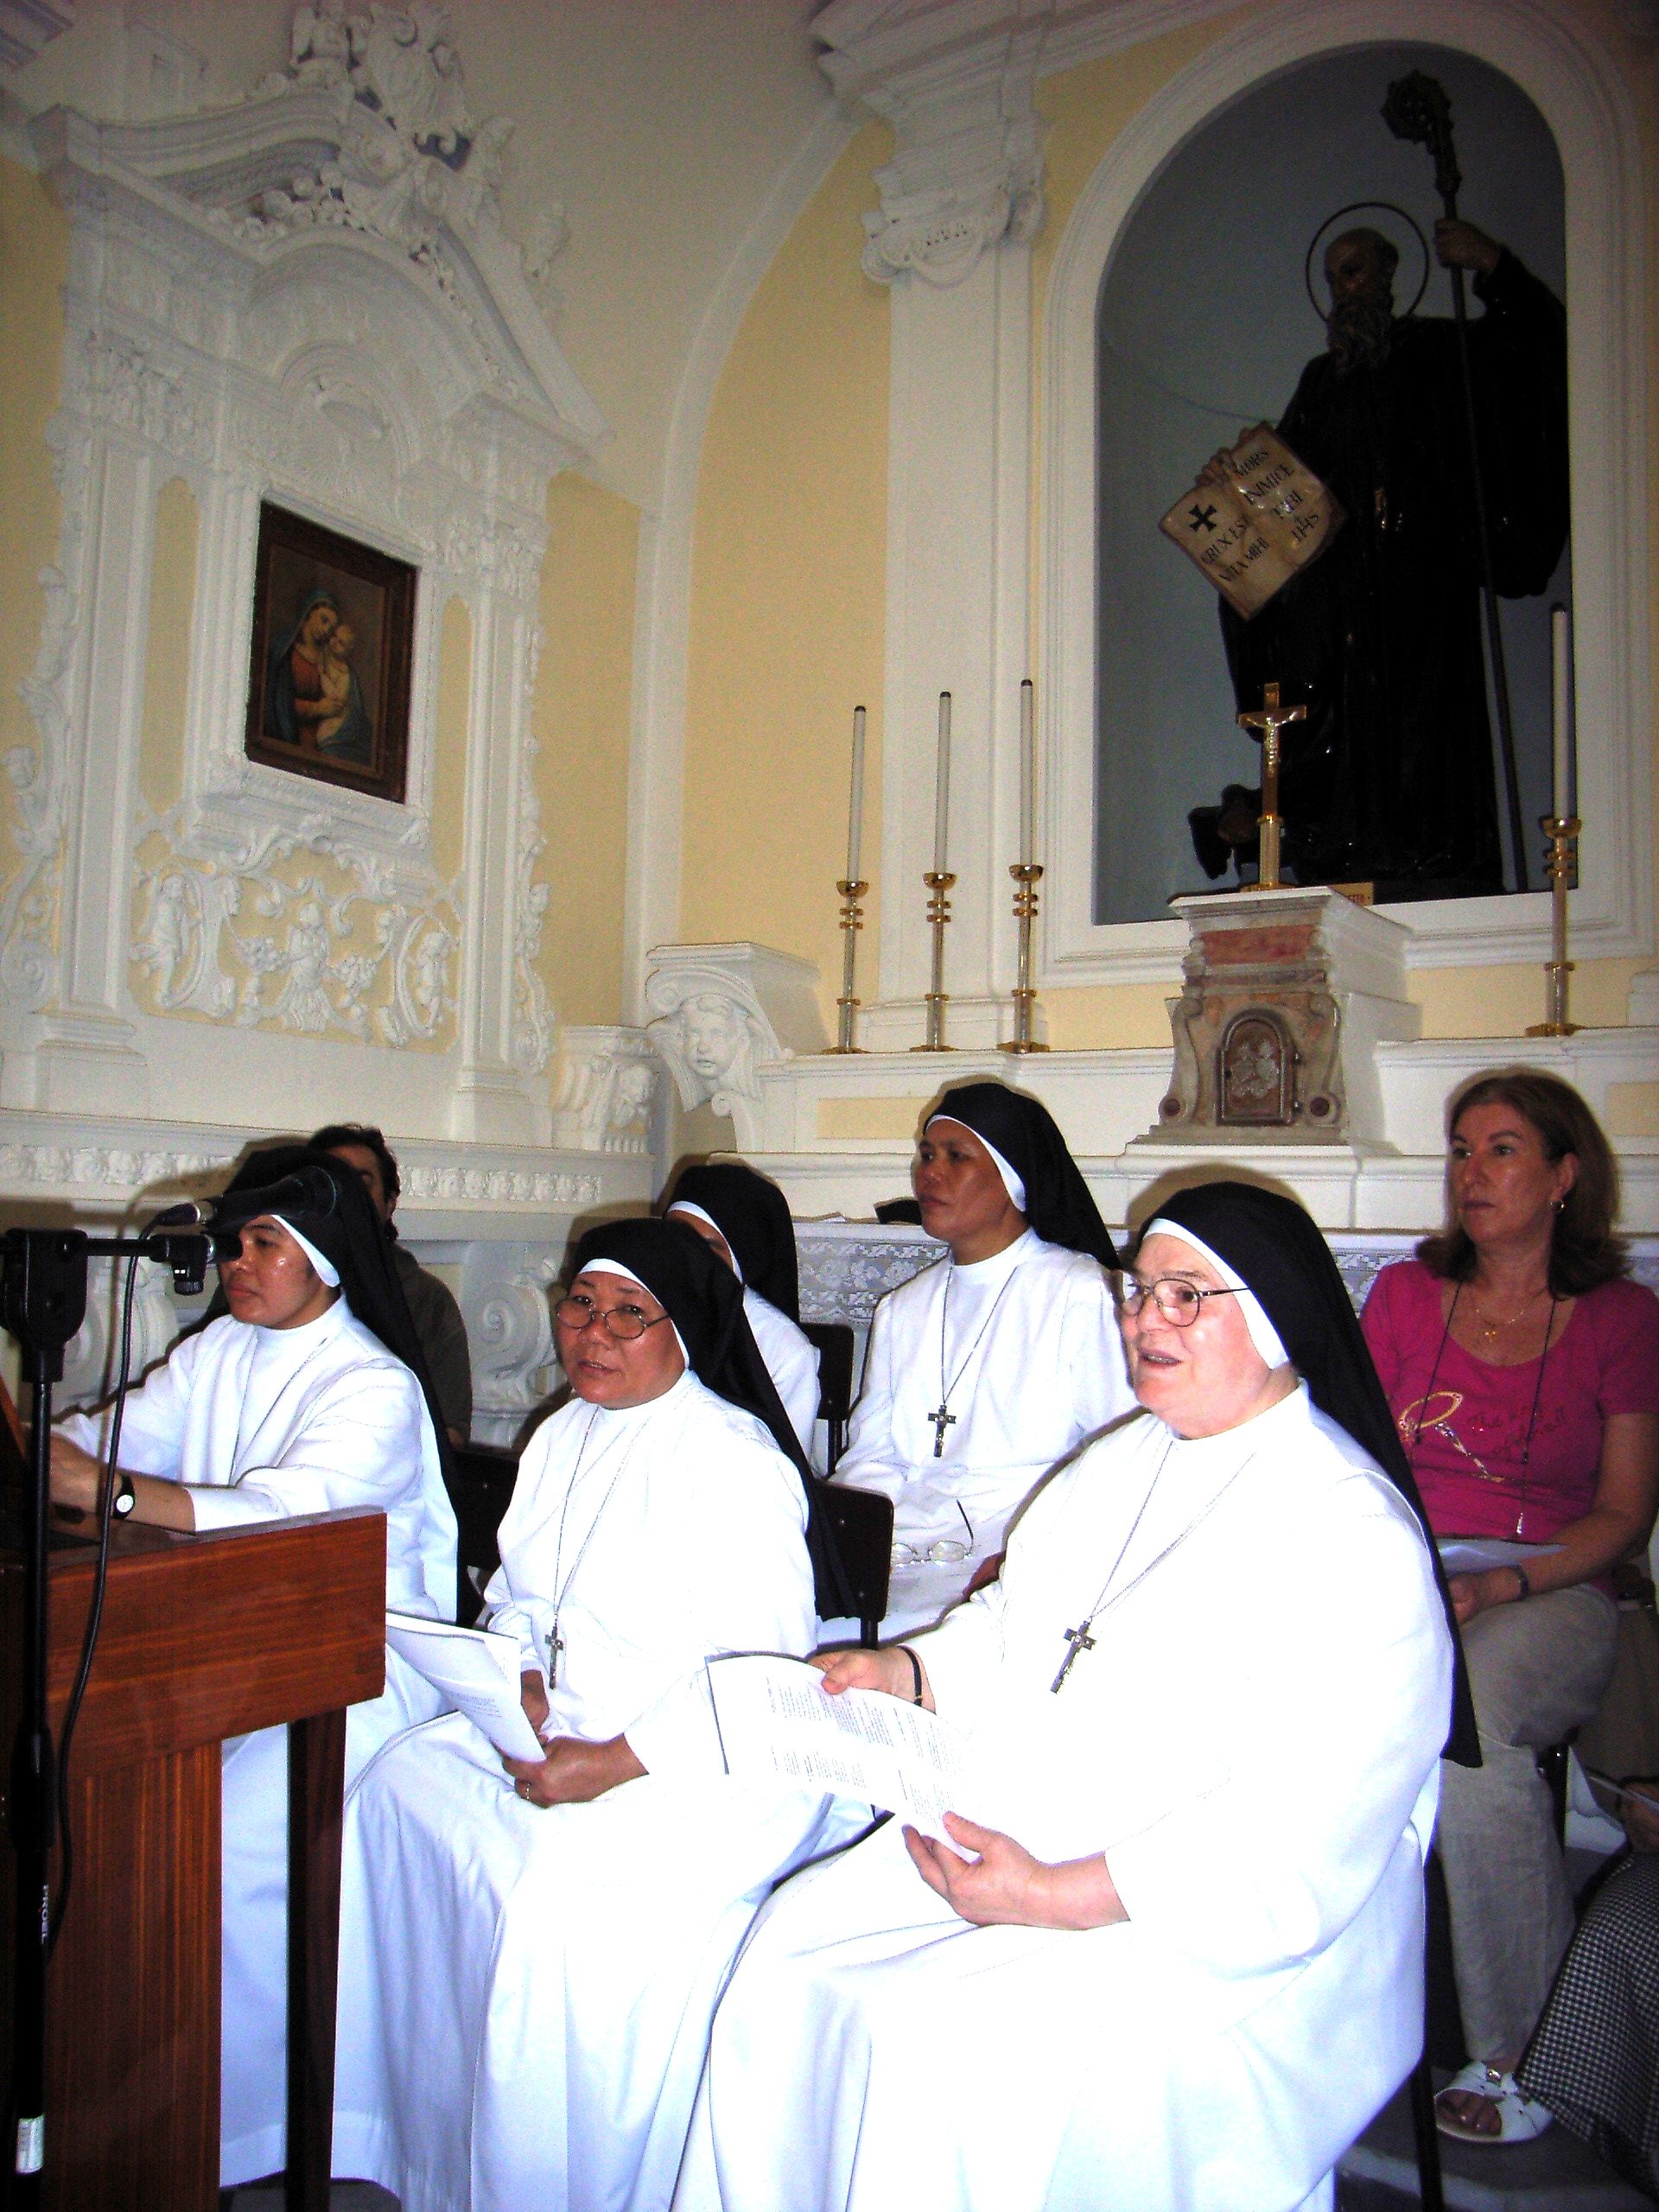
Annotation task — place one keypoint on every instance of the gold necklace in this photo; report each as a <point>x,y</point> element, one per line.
<point>1491,1329</point>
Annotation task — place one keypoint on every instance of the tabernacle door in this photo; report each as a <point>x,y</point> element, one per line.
<point>204,1637</point>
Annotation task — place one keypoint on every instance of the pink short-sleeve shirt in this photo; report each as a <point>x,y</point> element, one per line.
<point>1464,1422</point>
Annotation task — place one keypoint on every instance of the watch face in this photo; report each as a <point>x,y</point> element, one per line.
<point>126,1498</point>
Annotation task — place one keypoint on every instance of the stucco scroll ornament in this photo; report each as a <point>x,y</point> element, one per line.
<point>532,1017</point>
<point>401,63</point>
<point>511,1337</point>
<point>319,984</point>
<point>411,156</point>
<point>506,1186</point>
<point>33,775</point>
<point>713,1035</point>
<point>29,901</point>
<point>940,233</point>
<point>184,914</point>
<point>605,1090</point>
<point>91,1358</point>
<point>120,383</point>
<point>197,921</point>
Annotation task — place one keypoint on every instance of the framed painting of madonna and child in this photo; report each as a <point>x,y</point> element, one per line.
<point>329,675</point>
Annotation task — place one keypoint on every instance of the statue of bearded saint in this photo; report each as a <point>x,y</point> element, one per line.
<point>1390,778</point>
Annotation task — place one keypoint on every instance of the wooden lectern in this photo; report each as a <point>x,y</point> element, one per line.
<point>204,1637</point>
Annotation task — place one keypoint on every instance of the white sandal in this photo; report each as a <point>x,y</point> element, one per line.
<point>1520,2118</point>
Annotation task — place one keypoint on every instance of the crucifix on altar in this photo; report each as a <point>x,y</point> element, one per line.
<point>1268,719</point>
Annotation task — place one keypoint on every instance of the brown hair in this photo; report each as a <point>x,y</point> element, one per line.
<point>1583,1250</point>
<point>369,1139</point>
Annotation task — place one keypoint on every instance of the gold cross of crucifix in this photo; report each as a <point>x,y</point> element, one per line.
<point>1270,718</point>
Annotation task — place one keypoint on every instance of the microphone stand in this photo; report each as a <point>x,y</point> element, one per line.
<point>43,1303</point>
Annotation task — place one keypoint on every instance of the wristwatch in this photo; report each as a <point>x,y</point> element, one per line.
<point>125,1495</point>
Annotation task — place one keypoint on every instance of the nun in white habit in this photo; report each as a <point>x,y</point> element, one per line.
<point>1176,1964</point>
<point>984,1370</point>
<point>308,1396</point>
<point>530,1958</point>
<point>745,1217</point>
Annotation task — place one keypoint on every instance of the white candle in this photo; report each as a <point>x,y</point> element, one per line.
<point>1028,772</point>
<point>942,785</point>
<point>855,804</point>
<point>1561,709</point>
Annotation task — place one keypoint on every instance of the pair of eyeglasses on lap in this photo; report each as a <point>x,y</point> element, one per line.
<point>943,1551</point>
<point>627,1324</point>
<point>1176,1300</point>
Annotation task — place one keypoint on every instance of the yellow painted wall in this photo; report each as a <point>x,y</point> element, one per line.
<point>788,584</point>
<point>34,263</point>
<point>581,721</point>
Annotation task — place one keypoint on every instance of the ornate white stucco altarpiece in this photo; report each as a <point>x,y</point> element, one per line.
<point>305,297</point>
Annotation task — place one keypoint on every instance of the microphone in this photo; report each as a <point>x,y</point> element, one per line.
<point>308,1190</point>
<point>179,1236</point>
<point>189,1213</point>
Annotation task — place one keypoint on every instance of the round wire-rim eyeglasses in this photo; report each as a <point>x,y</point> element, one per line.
<point>1179,1302</point>
<point>627,1324</point>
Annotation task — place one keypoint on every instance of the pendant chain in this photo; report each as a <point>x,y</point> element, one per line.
<point>555,1641</point>
<point>1532,1414</point>
<point>942,1417</point>
<point>1490,1330</point>
<point>1079,1640</point>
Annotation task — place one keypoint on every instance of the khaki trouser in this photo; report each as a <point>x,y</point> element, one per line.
<point>1537,1670</point>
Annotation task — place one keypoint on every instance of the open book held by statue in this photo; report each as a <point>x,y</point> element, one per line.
<point>1256,517</point>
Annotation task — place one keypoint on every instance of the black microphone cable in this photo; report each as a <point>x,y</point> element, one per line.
<point>94,1616</point>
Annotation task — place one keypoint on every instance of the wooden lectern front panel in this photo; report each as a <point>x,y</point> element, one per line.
<point>204,1637</point>
<point>132,1995</point>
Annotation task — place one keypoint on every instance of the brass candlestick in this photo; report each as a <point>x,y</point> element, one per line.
<point>1561,866</point>
<point>852,920</point>
<point>939,913</point>
<point>1027,874</point>
<point>1270,718</point>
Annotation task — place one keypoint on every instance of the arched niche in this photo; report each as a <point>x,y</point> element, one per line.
<point>1576,88</point>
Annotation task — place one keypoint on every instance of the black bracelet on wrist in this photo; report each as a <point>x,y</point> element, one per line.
<point>916,1672</point>
<point>1520,1574</point>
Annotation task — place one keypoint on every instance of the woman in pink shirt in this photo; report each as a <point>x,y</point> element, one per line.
<point>1522,1364</point>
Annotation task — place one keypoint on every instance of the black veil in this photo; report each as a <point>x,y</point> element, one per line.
<point>1276,1247</point>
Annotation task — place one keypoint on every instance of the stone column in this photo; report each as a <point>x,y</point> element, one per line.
<point>960,203</point>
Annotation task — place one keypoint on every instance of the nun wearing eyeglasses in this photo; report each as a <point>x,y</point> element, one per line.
<point>308,1395</point>
<point>745,1217</point>
<point>1175,1963</point>
<point>983,1370</point>
<point>530,1952</point>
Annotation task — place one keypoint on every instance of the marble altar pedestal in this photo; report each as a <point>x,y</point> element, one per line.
<point>1287,996</point>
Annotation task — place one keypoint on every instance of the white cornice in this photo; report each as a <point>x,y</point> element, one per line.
<point>28,25</point>
<point>887,50</point>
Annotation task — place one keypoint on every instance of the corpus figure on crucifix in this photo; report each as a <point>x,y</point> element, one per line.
<point>983,1372</point>
<point>1380,638</point>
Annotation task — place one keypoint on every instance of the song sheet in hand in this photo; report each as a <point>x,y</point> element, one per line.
<point>477,1672</point>
<point>776,1721</point>
<point>1473,1555</point>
